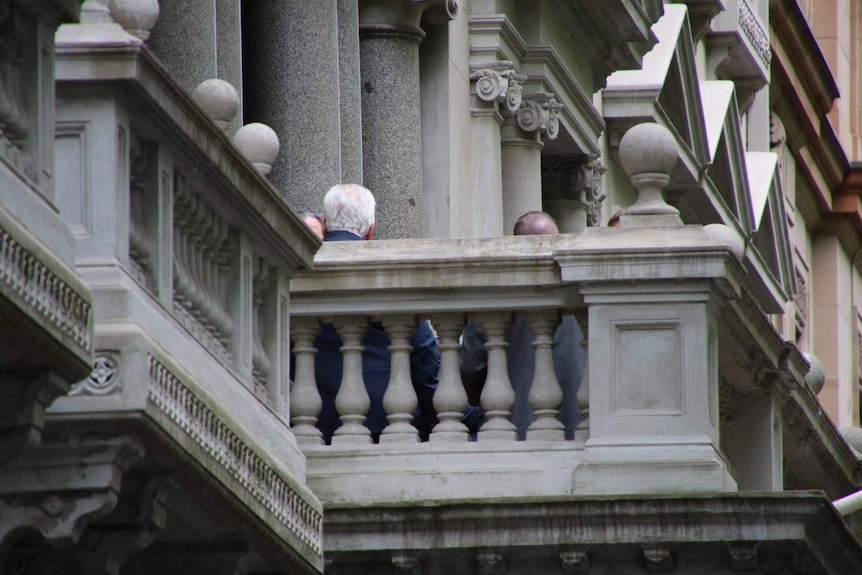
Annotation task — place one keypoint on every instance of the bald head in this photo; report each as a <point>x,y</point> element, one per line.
<point>536,224</point>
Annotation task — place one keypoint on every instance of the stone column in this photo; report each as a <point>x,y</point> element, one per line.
<point>184,38</point>
<point>522,155</point>
<point>496,91</point>
<point>291,80</point>
<point>349,87</point>
<point>389,37</point>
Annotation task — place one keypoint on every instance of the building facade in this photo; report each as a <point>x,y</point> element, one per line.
<point>156,284</point>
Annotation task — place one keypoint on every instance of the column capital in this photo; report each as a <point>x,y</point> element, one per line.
<point>539,113</point>
<point>403,17</point>
<point>497,82</point>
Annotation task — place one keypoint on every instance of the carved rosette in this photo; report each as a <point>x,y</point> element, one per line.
<point>105,377</point>
<point>498,82</point>
<point>540,113</point>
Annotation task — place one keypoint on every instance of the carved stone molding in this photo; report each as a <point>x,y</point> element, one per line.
<point>119,538</point>
<point>22,412</point>
<point>105,377</point>
<point>58,508</point>
<point>44,293</point>
<point>498,82</point>
<point>658,559</point>
<point>179,404</point>
<point>402,18</point>
<point>490,563</point>
<point>575,561</point>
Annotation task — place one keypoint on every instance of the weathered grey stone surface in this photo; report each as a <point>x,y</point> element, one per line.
<point>184,38</point>
<point>349,91</point>
<point>391,132</point>
<point>292,86</point>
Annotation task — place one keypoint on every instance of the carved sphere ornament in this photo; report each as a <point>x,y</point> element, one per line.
<point>816,376</point>
<point>648,148</point>
<point>259,143</point>
<point>219,99</point>
<point>137,17</point>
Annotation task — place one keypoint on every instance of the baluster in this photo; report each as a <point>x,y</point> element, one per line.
<point>352,401</point>
<point>305,402</point>
<point>450,397</point>
<point>261,364</point>
<point>582,431</point>
<point>497,396</point>
<point>545,393</point>
<point>400,400</point>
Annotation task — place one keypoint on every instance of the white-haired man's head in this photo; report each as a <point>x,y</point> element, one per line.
<point>349,208</point>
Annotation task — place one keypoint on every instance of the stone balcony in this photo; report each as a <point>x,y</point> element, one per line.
<point>179,437</point>
<point>739,50</point>
<point>682,383</point>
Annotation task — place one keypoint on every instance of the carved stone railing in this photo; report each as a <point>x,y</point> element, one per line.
<point>188,250</point>
<point>657,302</point>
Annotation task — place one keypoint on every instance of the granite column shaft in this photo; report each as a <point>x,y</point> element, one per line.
<point>292,84</point>
<point>522,173</point>
<point>392,127</point>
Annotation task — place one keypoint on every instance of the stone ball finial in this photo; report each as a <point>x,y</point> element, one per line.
<point>816,376</point>
<point>219,99</point>
<point>648,148</point>
<point>728,237</point>
<point>648,153</point>
<point>137,17</point>
<point>259,143</point>
<point>853,437</point>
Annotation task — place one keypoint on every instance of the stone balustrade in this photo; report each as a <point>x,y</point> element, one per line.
<point>654,302</point>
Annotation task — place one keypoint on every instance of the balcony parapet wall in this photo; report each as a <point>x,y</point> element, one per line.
<point>647,300</point>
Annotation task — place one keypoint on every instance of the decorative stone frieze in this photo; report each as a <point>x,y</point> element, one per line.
<point>37,288</point>
<point>105,377</point>
<point>170,396</point>
<point>497,82</point>
<point>754,32</point>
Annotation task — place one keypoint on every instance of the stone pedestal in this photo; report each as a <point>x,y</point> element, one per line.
<point>291,81</point>
<point>392,127</point>
<point>522,173</point>
<point>654,405</point>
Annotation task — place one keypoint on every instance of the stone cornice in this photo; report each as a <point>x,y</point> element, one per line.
<point>806,521</point>
<point>254,204</point>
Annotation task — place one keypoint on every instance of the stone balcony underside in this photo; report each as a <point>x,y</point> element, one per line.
<point>718,533</point>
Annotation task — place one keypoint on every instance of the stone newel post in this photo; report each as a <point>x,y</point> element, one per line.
<point>652,299</point>
<point>389,37</point>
